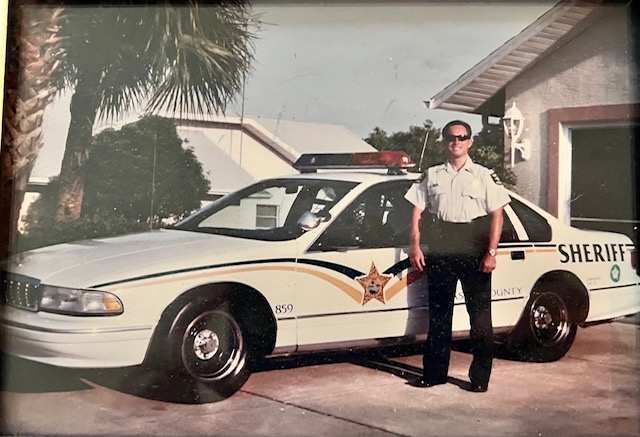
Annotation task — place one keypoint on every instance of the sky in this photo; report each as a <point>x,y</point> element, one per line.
<point>361,64</point>
<point>366,65</point>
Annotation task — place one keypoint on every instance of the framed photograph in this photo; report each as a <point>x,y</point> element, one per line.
<point>310,218</point>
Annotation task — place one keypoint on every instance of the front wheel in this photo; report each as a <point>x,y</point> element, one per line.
<point>545,332</point>
<point>208,344</point>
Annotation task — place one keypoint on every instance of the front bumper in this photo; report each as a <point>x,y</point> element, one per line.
<point>79,342</point>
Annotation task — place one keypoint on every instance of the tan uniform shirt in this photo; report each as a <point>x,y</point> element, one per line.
<point>458,196</point>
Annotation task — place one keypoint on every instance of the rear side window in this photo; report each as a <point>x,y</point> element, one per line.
<point>536,226</point>
<point>509,234</point>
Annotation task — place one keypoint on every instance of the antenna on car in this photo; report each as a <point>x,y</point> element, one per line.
<point>424,146</point>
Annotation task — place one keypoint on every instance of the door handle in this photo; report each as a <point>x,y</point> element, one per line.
<point>517,254</point>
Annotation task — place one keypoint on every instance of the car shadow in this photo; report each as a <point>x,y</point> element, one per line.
<point>382,360</point>
<point>500,350</point>
<point>396,368</point>
<point>154,384</point>
<point>22,376</point>
<point>162,385</point>
<point>305,360</point>
<point>18,375</point>
<point>405,371</point>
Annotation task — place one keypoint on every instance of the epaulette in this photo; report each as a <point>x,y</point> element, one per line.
<point>495,177</point>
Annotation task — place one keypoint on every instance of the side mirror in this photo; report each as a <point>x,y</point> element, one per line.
<point>309,220</point>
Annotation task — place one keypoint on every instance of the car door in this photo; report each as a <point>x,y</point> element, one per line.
<point>354,284</point>
<point>520,258</point>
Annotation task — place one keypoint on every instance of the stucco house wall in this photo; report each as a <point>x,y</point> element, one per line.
<point>593,69</point>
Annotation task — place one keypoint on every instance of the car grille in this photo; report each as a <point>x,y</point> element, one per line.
<point>19,291</point>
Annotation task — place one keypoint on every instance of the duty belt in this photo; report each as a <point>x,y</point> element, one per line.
<point>444,236</point>
<point>432,219</point>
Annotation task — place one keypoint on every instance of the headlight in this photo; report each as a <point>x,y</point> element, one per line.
<point>79,302</point>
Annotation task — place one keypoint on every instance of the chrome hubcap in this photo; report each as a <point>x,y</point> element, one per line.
<point>213,346</point>
<point>542,318</point>
<point>205,344</point>
<point>549,319</point>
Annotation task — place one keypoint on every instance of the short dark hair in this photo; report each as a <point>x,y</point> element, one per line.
<point>445,129</point>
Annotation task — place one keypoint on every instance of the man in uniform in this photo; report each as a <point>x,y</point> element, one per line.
<point>462,226</point>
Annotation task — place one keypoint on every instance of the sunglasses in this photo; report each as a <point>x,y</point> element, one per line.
<point>449,137</point>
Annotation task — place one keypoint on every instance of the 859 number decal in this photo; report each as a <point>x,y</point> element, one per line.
<point>284,308</point>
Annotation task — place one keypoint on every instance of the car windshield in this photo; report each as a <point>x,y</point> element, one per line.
<point>268,210</point>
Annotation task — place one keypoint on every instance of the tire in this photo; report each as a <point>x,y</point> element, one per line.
<point>545,332</point>
<point>209,347</point>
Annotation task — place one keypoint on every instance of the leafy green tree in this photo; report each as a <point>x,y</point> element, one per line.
<point>413,142</point>
<point>142,172</point>
<point>488,150</point>
<point>140,176</point>
<point>422,144</point>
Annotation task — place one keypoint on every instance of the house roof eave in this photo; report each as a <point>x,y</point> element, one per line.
<point>474,90</point>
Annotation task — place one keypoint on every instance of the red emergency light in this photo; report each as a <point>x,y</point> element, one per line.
<point>392,160</point>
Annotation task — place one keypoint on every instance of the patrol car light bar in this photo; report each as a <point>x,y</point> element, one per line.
<point>393,160</point>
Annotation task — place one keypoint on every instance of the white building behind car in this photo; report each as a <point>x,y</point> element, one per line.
<point>234,151</point>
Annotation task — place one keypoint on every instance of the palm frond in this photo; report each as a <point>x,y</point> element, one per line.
<point>182,58</point>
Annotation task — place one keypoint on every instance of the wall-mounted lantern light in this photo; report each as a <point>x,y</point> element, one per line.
<point>514,126</point>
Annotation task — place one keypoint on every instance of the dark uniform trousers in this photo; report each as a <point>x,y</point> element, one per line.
<point>455,253</point>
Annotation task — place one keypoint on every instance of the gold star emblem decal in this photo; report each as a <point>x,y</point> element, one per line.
<point>373,285</point>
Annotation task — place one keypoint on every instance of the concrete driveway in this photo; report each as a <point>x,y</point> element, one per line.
<point>593,391</point>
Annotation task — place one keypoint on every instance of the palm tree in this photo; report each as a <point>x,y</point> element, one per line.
<point>183,59</point>
<point>33,61</point>
<point>187,59</point>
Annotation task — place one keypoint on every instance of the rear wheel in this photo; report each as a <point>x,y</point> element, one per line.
<point>208,345</point>
<point>545,332</point>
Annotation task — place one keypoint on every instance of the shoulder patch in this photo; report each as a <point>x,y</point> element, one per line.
<point>495,177</point>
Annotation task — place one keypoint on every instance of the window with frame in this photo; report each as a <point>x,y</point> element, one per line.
<point>537,227</point>
<point>266,216</point>
<point>508,234</point>
<point>268,210</point>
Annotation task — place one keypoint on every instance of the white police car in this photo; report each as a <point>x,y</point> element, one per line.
<point>310,262</point>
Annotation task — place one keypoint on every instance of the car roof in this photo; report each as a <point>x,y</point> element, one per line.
<point>371,176</point>
<point>361,176</point>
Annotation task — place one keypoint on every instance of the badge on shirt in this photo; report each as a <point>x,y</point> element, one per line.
<point>495,177</point>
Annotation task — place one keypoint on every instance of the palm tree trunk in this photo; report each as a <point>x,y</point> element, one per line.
<point>84,108</point>
<point>33,56</point>
<point>12,193</point>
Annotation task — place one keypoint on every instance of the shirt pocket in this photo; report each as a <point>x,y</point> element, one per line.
<point>473,190</point>
<point>435,190</point>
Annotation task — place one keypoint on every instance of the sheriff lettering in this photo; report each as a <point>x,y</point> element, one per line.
<point>591,252</point>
